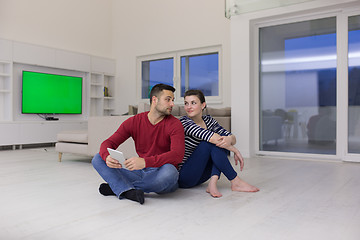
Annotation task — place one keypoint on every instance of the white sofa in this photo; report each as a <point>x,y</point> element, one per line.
<point>88,142</point>
<point>100,128</point>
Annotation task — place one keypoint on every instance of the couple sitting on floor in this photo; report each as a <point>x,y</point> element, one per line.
<point>172,153</point>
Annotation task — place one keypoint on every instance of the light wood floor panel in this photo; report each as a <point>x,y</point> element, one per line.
<point>44,199</point>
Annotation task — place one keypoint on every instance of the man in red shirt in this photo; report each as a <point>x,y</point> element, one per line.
<point>159,142</point>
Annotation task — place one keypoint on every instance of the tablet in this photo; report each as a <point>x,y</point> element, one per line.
<point>117,155</point>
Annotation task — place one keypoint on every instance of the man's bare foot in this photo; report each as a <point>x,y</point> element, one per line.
<point>212,188</point>
<point>241,186</point>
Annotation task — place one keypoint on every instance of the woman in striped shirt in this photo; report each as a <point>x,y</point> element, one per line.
<point>207,145</point>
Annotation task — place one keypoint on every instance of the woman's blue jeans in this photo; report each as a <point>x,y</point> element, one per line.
<point>160,180</point>
<point>207,160</point>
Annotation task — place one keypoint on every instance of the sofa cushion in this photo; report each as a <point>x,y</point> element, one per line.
<point>76,148</point>
<point>182,111</point>
<point>176,110</point>
<point>132,110</point>
<point>102,127</point>
<point>143,107</point>
<point>224,112</point>
<point>225,122</point>
<point>76,136</point>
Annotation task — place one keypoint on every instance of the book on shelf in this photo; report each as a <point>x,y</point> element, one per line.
<point>106,92</point>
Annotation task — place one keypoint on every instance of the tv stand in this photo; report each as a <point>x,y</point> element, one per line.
<point>36,132</point>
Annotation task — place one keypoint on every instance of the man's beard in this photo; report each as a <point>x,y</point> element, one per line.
<point>164,111</point>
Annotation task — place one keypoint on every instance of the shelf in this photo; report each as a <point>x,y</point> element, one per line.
<point>101,100</point>
<point>5,91</point>
<point>5,68</point>
<point>96,84</point>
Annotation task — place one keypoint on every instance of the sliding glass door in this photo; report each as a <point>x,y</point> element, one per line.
<point>298,87</point>
<point>300,71</point>
<point>354,84</point>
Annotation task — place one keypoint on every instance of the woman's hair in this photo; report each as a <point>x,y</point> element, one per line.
<point>195,92</point>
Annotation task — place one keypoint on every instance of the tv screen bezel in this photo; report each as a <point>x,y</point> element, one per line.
<point>52,112</point>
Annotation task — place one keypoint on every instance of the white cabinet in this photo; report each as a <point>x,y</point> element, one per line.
<point>18,133</point>
<point>10,133</point>
<point>102,88</point>
<point>5,91</point>
<point>98,93</point>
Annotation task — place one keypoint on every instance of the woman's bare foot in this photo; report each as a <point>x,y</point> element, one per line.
<point>241,186</point>
<point>212,188</point>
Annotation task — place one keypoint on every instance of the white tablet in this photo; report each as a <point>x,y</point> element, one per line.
<point>117,155</point>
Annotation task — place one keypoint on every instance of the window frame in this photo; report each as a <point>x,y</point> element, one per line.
<point>176,55</point>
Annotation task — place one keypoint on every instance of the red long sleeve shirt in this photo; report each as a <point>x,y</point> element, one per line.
<point>157,144</point>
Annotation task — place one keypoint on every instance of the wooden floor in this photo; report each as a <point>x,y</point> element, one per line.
<point>44,199</point>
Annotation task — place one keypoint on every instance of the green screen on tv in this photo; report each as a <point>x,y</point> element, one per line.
<point>44,93</point>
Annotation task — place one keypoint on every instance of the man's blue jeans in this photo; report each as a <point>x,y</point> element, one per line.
<point>159,180</point>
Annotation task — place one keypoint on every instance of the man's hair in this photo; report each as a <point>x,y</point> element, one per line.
<point>195,92</point>
<point>158,88</point>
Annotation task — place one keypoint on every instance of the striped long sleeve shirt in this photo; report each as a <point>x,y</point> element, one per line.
<point>194,134</point>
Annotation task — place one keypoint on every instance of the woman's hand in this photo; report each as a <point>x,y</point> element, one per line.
<point>239,159</point>
<point>224,142</point>
<point>228,142</point>
<point>215,138</point>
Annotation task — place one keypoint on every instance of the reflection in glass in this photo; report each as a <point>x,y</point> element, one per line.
<point>298,87</point>
<point>200,72</point>
<point>354,85</point>
<point>154,72</point>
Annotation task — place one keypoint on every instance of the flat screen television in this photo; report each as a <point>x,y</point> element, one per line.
<point>45,93</point>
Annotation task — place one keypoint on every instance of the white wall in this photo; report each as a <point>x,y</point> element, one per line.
<point>76,25</point>
<point>122,30</point>
<point>243,75</point>
<point>159,26</point>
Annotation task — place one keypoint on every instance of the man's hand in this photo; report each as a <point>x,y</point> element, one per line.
<point>112,163</point>
<point>135,163</point>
